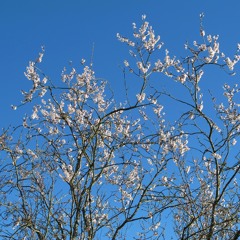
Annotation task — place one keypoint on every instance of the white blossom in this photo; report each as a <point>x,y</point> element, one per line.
<point>141,97</point>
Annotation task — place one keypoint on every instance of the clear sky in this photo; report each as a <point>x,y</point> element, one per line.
<point>69,28</point>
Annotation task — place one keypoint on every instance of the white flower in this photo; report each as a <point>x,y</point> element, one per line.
<point>209,38</point>
<point>200,107</point>
<point>150,161</point>
<point>43,92</point>
<point>154,101</point>
<point>142,68</point>
<point>83,61</point>
<point>182,78</point>
<point>202,47</point>
<point>191,115</point>
<point>44,81</point>
<point>14,107</point>
<point>164,179</point>
<point>238,46</point>
<point>216,155</point>
<point>34,115</point>
<point>202,32</point>
<point>234,141</point>
<point>31,153</point>
<point>126,63</point>
<point>144,16</point>
<point>67,171</point>
<point>141,97</point>
<point>228,62</point>
<point>40,57</point>
<point>71,109</point>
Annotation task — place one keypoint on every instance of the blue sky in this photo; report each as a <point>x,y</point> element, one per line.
<point>69,28</point>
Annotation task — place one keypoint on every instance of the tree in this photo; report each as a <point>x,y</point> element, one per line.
<point>84,166</point>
